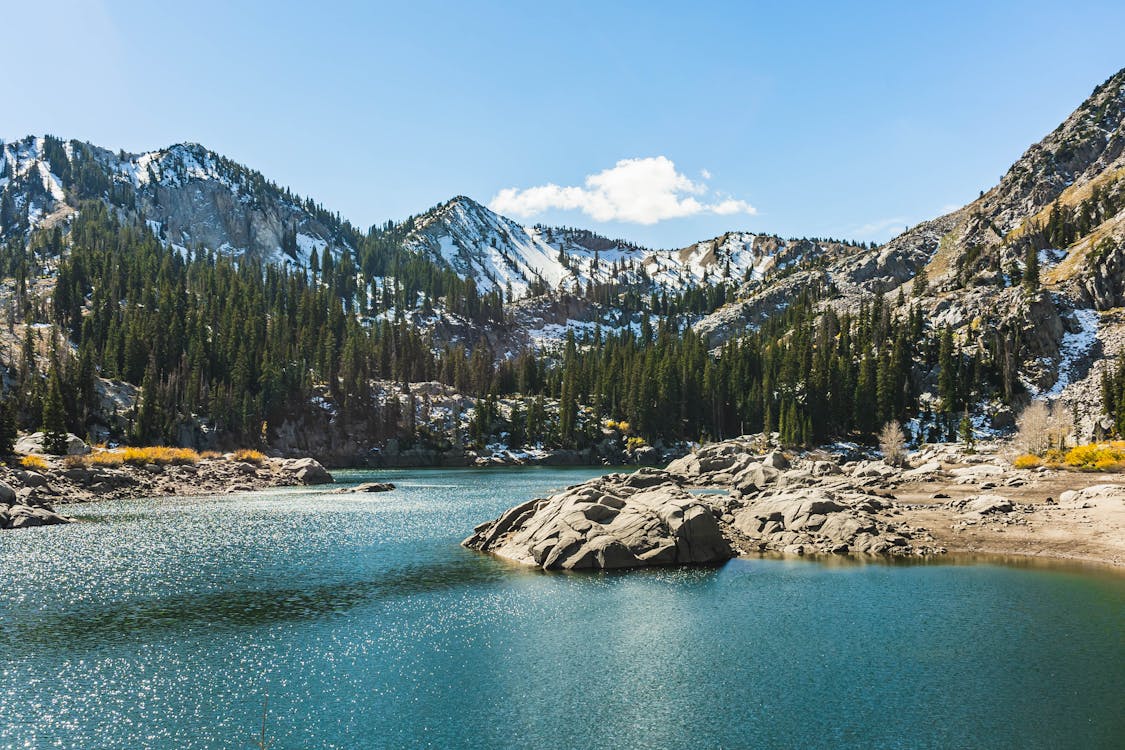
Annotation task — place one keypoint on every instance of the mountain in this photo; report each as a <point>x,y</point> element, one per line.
<point>405,330</point>
<point>193,198</point>
<point>1059,208</point>
<point>190,198</point>
<point>500,254</point>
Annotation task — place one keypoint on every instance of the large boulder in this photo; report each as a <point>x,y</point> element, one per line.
<point>755,478</point>
<point>308,471</point>
<point>976,473</point>
<point>366,487</point>
<point>615,521</point>
<point>7,493</point>
<point>983,504</point>
<point>777,460</point>
<point>33,443</point>
<point>715,463</point>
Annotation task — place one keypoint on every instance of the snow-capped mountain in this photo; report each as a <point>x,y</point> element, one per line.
<point>501,254</point>
<point>189,196</point>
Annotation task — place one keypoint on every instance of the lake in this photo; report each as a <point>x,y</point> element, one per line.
<point>167,624</point>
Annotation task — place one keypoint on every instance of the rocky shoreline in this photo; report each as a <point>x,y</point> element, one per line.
<point>28,497</point>
<point>733,498</point>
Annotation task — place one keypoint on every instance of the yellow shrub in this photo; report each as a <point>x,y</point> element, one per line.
<point>635,442</point>
<point>623,426</point>
<point>611,424</point>
<point>210,455</point>
<point>1027,461</point>
<point>1097,456</point>
<point>1107,464</point>
<point>34,463</point>
<point>1054,457</point>
<point>249,456</point>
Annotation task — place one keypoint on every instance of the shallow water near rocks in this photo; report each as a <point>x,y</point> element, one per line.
<point>165,623</point>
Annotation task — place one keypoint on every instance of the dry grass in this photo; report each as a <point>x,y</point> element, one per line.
<point>34,463</point>
<point>1080,250</point>
<point>249,455</point>
<point>942,261</point>
<point>210,455</point>
<point>158,454</point>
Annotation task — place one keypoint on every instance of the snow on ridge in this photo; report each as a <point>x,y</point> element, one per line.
<point>498,252</point>
<point>1074,347</point>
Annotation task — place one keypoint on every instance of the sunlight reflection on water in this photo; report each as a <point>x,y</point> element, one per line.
<point>163,624</point>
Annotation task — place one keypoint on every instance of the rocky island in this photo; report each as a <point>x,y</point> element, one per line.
<point>732,498</point>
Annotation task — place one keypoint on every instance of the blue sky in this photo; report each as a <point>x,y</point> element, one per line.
<point>817,119</point>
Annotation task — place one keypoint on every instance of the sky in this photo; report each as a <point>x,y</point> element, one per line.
<point>661,123</point>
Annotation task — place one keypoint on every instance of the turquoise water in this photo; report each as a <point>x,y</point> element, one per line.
<point>165,623</point>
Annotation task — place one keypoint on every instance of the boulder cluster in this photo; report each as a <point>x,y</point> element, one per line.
<point>744,500</point>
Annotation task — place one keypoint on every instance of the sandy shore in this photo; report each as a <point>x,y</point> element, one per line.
<point>1090,531</point>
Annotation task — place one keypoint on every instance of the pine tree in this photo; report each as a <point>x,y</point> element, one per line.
<point>54,416</point>
<point>966,430</point>
<point>8,427</point>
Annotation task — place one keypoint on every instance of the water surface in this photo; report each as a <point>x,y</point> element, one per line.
<point>165,623</point>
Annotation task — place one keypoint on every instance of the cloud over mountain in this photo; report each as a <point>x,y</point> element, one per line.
<point>640,191</point>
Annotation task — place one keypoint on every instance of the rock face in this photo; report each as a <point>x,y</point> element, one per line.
<point>615,521</point>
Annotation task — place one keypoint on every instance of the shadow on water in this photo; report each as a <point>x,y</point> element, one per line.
<point>147,619</point>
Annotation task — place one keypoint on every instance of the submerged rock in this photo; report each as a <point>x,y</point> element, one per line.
<point>369,487</point>
<point>615,521</point>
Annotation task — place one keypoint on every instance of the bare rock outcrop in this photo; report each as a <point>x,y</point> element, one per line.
<point>615,521</point>
<point>816,520</point>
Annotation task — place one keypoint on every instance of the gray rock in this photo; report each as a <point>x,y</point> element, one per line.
<point>756,478</point>
<point>308,471</point>
<point>777,460</point>
<point>370,487</point>
<point>25,516</point>
<point>31,479</point>
<point>826,468</point>
<point>7,493</point>
<point>982,504</point>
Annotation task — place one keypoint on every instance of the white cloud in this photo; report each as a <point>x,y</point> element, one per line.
<point>640,191</point>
